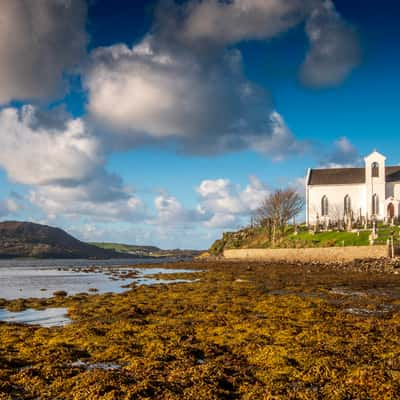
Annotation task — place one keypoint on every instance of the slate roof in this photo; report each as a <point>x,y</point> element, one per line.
<point>393,174</point>
<point>347,176</point>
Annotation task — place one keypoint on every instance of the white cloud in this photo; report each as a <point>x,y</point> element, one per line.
<point>343,154</point>
<point>227,204</point>
<point>166,90</point>
<point>254,193</point>
<point>39,155</point>
<point>221,221</point>
<point>334,51</point>
<point>182,84</point>
<point>80,202</point>
<point>39,40</point>
<point>280,143</point>
<point>170,212</point>
<point>151,93</point>
<point>155,93</point>
<point>234,21</point>
<point>220,196</point>
<point>65,164</point>
<point>221,205</point>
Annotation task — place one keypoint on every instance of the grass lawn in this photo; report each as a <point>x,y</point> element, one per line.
<point>334,238</point>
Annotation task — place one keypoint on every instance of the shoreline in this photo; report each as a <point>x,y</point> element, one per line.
<point>244,330</point>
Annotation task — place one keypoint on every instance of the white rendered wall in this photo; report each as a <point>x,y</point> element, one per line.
<point>396,191</point>
<point>375,185</point>
<point>393,190</point>
<point>336,195</point>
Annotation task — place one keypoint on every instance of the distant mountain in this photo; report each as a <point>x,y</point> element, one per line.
<point>26,239</point>
<point>127,248</point>
<point>146,251</point>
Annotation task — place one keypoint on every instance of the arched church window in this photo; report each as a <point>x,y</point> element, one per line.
<point>375,204</point>
<point>324,206</point>
<point>347,204</point>
<point>375,170</point>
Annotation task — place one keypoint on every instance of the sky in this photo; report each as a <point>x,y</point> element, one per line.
<point>167,122</point>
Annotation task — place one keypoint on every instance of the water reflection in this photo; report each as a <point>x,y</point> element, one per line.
<point>31,280</point>
<point>47,318</point>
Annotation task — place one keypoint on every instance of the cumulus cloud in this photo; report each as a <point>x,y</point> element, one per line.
<point>221,204</point>
<point>234,21</point>
<point>343,154</point>
<point>82,201</point>
<point>184,82</point>
<point>207,107</point>
<point>162,94</point>
<point>334,51</point>
<point>280,143</point>
<point>64,163</point>
<point>39,41</point>
<point>227,204</point>
<point>36,154</point>
<point>170,212</point>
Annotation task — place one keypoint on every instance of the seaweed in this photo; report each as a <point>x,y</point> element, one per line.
<point>242,331</point>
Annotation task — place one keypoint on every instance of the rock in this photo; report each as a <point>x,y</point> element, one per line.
<point>60,293</point>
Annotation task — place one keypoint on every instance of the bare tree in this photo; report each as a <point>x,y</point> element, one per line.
<point>277,209</point>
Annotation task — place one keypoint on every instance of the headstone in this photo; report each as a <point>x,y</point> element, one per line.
<point>316,226</point>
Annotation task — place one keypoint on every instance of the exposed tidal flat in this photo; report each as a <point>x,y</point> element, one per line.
<point>230,330</point>
<point>42,278</point>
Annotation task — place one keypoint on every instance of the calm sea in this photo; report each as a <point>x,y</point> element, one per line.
<point>41,278</point>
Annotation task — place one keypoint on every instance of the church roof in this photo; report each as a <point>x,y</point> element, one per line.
<point>347,176</point>
<point>393,174</point>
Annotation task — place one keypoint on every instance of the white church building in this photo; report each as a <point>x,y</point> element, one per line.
<point>369,192</point>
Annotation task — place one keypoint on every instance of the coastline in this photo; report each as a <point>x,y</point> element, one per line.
<point>242,330</point>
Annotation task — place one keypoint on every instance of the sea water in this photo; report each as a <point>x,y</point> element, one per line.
<point>41,278</point>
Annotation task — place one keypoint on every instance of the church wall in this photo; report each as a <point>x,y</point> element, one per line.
<point>375,185</point>
<point>393,190</point>
<point>380,188</point>
<point>390,189</point>
<point>335,195</point>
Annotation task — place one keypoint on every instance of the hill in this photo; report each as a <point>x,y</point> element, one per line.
<point>258,238</point>
<point>146,251</point>
<point>127,248</point>
<point>27,239</point>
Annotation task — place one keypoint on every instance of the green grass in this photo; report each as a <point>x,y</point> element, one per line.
<point>125,248</point>
<point>257,237</point>
<point>334,238</point>
<point>323,239</point>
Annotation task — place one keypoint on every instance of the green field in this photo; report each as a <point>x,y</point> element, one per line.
<point>125,248</point>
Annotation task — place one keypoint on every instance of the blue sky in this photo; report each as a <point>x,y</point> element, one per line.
<point>166,123</point>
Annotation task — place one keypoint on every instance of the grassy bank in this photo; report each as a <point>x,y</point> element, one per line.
<point>126,248</point>
<point>246,331</point>
<point>145,251</point>
<point>257,237</point>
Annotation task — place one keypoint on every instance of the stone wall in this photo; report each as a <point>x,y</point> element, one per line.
<point>323,254</point>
